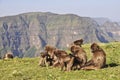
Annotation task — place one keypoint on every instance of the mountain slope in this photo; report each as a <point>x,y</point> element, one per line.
<point>30,32</point>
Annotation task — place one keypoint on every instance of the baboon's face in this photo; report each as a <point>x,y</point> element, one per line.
<point>94,47</point>
<point>43,54</point>
<point>74,49</point>
<point>50,51</point>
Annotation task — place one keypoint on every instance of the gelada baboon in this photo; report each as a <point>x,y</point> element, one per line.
<point>8,55</point>
<point>65,60</point>
<point>80,56</point>
<point>60,58</point>
<point>50,51</point>
<point>57,55</point>
<point>98,60</point>
<point>45,60</point>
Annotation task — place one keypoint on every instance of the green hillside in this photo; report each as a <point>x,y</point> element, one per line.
<point>28,69</point>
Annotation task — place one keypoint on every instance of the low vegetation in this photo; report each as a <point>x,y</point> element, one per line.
<point>28,69</point>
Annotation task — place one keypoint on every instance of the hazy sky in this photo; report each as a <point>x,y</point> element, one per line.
<point>88,8</point>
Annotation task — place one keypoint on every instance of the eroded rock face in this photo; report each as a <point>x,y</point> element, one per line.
<point>26,34</point>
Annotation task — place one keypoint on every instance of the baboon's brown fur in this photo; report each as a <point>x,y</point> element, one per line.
<point>98,60</point>
<point>80,55</point>
<point>8,55</point>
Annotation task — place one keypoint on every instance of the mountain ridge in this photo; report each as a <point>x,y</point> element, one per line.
<point>30,32</point>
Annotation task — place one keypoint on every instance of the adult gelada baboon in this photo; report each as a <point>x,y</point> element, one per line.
<point>50,51</point>
<point>98,60</point>
<point>8,55</point>
<point>45,60</point>
<point>60,58</point>
<point>80,56</point>
<point>65,60</point>
<point>57,55</point>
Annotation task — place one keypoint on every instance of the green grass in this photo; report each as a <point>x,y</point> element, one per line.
<point>28,69</point>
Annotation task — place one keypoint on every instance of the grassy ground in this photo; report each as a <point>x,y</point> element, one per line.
<point>28,69</point>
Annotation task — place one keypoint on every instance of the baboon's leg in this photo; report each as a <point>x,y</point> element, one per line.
<point>91,67</point>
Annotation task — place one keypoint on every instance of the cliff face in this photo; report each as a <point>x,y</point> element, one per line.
<point>26,34</point>
<point>113,29</point>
